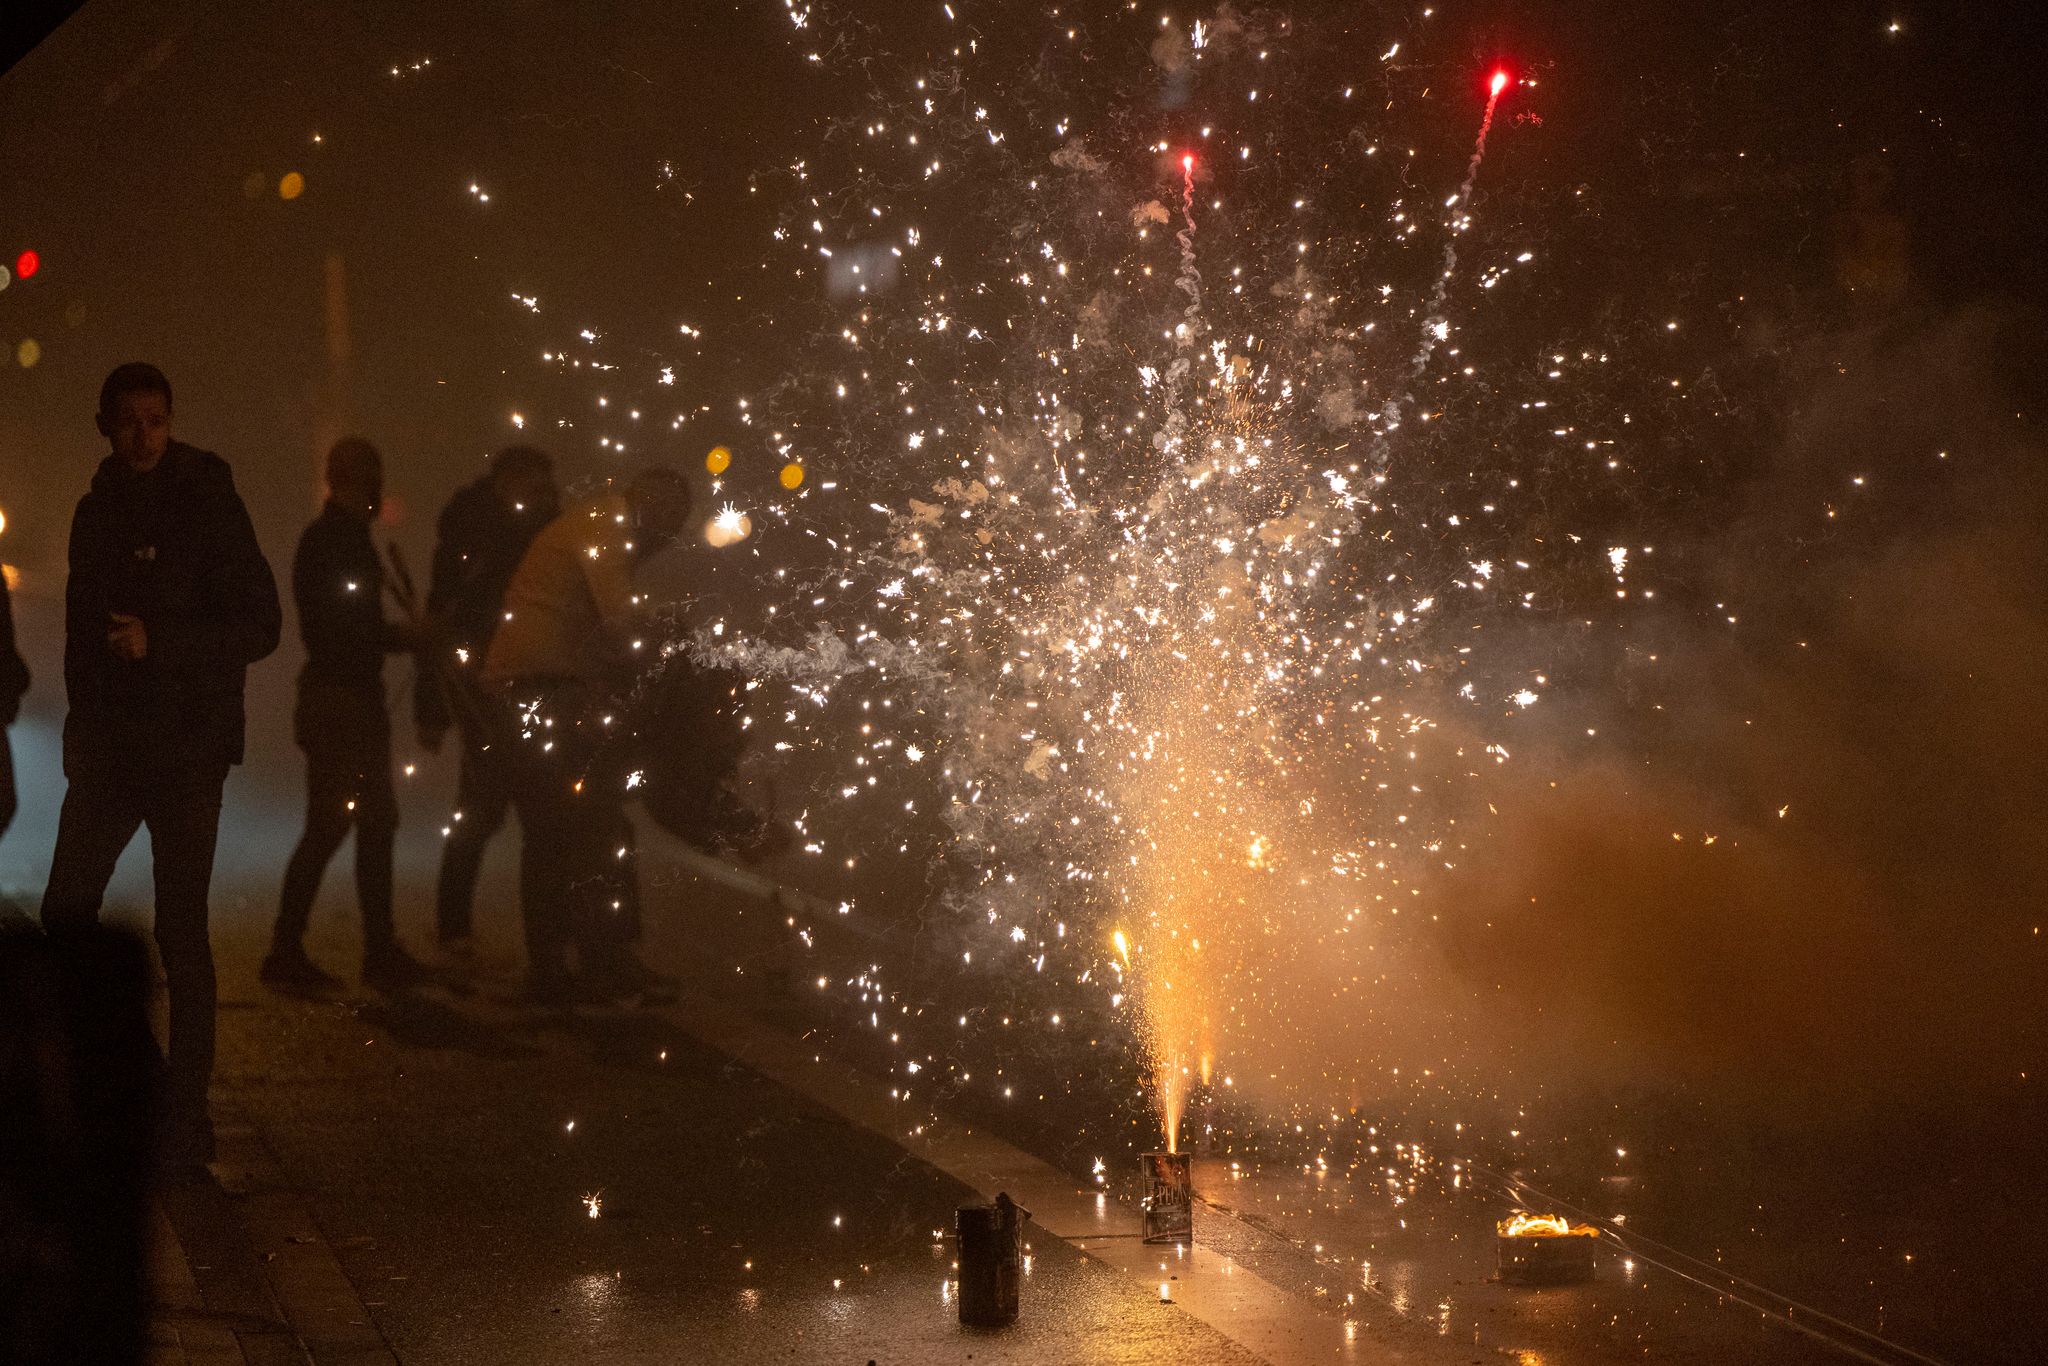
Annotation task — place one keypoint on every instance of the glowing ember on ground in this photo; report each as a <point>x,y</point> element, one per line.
<point>1525,1225</point>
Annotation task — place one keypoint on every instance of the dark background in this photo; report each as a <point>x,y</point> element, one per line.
<point>1850,220</point>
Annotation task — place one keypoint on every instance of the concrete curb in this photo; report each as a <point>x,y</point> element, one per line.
<point>240,1273</point>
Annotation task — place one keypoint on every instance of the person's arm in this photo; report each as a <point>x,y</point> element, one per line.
<point>88,602</point>
<point>241,620</point>
<point>309,600</point>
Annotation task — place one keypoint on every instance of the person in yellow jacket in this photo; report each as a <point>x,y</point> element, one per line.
<point>569,644</point>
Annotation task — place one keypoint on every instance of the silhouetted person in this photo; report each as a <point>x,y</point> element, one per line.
<point>13,683</point>
<point>168,603</point>
<point>567,647</point>
<point>79,1072</point>
<point>343,726</point>
<point>481,537</point>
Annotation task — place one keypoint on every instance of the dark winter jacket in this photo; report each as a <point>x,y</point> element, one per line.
<point>13,671</point>
<point>477,548</point>
<point>338,587</point>
<point>174,547</point>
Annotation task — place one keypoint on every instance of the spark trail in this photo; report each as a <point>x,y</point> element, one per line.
<point>1436,328</point>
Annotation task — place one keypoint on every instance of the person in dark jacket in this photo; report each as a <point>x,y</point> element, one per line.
<point>168,603</point>
<point>480,539</point>
<point>13,683</point>
<point>342,725</point>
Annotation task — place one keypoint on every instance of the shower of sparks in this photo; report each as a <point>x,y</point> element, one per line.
<point>1175,557</point>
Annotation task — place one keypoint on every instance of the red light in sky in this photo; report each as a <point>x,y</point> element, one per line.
<point>27,264</point>
<point>1500,82</point>
<point>1187,161</point>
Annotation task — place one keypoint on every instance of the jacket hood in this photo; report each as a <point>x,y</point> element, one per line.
<point>180,463</point>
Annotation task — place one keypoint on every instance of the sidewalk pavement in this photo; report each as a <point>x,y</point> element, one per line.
<point>239,1272</point>
<point>411,1181</point>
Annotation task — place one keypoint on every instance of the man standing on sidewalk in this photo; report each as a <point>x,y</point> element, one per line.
<point>567,648</point>
<point>343,726</point>
<point>169,601</point>
<point>482,535</point>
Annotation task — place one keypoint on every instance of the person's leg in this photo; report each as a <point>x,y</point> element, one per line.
<point>609,921</point>
<point>546,867</point>
<point>481,799</point>
<point>330,795</point>
<point>376,816</point>
<point>593,839</point>
<point>100,815</point>
<point>543,881</point>
<point>183,814</point>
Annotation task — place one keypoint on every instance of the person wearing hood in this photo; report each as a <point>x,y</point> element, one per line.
<point>168,602</point>
<point>343,726</point>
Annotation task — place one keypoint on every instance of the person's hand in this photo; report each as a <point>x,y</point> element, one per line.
<point>430,737</point>
<point>128,637</point>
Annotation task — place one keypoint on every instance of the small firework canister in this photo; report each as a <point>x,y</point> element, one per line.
<point>991,1262</point>
<point>1544,1249</point>
<point>1169,1198</point>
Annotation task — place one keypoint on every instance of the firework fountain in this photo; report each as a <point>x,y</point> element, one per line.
<point>1110,574</point>
<point>1134,559</point>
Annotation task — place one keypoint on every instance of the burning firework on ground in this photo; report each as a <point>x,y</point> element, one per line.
<point>1538,1249</point>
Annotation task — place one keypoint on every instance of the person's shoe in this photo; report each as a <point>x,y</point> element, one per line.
<point>291,969</point>
<point>624,978</point>
<point>391,969</point>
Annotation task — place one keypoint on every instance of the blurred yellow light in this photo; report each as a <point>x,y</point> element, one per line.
<point>719,461</point>
<point>28,353</point>
<point>292,186</point>
<point>13,576</point>
<point>792,475</point>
